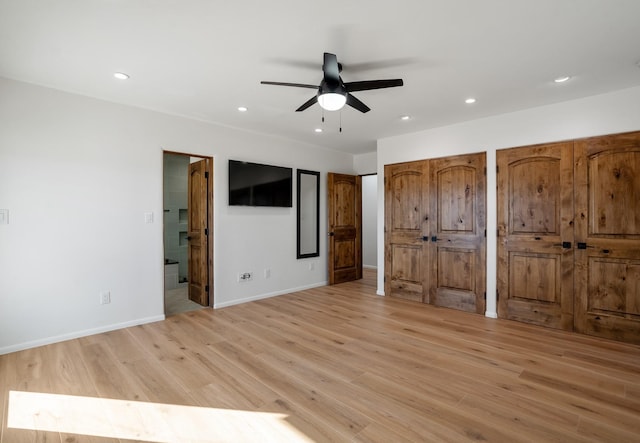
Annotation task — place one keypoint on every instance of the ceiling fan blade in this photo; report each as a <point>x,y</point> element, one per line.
<point>296,85</point>
<point>308,103</point>
<point>357,104</point>
<point>372,84</point>
<point>331,68</point>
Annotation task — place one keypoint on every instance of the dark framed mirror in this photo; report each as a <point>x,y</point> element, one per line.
<point>308,214</point>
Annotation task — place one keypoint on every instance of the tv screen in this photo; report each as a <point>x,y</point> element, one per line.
<point>253,184</point>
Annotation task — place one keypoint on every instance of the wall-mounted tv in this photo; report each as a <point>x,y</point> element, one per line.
<point>253,184</point>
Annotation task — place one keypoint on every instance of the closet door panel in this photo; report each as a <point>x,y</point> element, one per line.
<point>406,227</point>
<point>607,172</point>
<point>457,250</point>
<point>535,234</point>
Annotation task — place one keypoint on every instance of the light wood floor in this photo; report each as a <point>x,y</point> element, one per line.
<point>328,364</point>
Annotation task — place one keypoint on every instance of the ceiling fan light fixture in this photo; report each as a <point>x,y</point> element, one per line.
<point>331,101</point>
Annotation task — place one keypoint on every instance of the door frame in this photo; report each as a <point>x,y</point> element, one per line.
<point>210,219</point>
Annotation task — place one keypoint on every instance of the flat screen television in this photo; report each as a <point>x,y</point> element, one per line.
<point>254,184</point>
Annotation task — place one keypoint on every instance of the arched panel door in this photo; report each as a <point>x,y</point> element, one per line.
<point>458,236</point>
<point>607,173</point>
<point>535,234</point>
<point>406,230</point>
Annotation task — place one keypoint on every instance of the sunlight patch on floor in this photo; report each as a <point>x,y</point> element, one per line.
<point>154,422</point>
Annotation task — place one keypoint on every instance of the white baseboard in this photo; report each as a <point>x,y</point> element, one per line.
<point>78,334</point>
<point>268,295</point>
<point>491,314</point>
<point>370,267</point>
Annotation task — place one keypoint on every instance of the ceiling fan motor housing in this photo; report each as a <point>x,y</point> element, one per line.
<point>331,88</point>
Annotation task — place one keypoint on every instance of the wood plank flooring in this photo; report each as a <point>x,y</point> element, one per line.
<point>334,363</point>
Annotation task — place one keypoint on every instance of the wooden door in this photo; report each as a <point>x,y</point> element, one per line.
<point>535,234</point>
<point>458,235</point>
<point>607,173</point>
<point>345,227</point>
<point>406,230</point>
<point>198,233</point>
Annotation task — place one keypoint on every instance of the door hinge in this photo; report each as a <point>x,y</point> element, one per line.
<point>485,232</point>
<point>497,295</point>
<point>485,170</point>
<point>206,174</point>
<point>206,288</point>
<point>485,296</point>
<point>497,169</point>
<point>206,231</point>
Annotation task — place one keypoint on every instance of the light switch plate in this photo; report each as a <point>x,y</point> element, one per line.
<point>148,217</point>
<point>4,216</point>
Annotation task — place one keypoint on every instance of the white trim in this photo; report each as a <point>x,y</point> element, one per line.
<point>268,295</point>
<point>370,267</point>
<point>78,334</point>
<point>379,292</point>
<point>491,314</point>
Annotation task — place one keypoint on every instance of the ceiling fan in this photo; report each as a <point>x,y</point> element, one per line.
<point>333,93</point>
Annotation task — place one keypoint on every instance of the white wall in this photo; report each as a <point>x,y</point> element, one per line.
<point>78,175</point>
<point>598,115</point>
<point>365,163</point>
<point>369,221</point>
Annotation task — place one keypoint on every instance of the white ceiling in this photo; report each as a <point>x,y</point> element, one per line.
<point>204,58</point>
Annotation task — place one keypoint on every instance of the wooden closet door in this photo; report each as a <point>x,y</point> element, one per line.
<point>607,172</point>
<point>406,230</point>
<point>535,234</point>
<point>458,236</point>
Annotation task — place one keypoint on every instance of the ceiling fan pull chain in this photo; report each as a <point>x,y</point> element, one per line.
<point>340,121</point>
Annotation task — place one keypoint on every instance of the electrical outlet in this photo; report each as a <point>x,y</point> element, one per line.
<point>244,277</point>
<point>267,273</point>
<point>312,265</point>
<point>105,298</point>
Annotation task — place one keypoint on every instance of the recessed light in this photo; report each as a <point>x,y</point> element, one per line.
<point>562,79</point>
<point>242,109</point>
<point>121,76</point>
<point>405,117</point>
<point>318,129</point>
<point>470,100</point>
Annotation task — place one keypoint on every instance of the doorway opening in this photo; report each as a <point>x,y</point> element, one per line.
<point>370,221</point>
<point>188,232</point>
